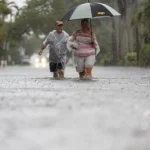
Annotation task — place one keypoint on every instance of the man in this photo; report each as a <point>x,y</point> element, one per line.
<point>57,40</point>
<point>85,46</point>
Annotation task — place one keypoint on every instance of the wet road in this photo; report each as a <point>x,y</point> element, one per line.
<point>111,112</point>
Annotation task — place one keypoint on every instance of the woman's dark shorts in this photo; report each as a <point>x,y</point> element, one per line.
<point>55,66</point>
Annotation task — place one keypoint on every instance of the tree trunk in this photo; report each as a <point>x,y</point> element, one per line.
<point>137,34</point>
<point>138,49</point>
<point>114,42</point>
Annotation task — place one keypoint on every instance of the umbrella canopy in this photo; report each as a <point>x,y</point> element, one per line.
<point>90,10</point>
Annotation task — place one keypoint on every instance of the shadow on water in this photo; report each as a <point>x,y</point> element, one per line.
<point>67,79</point>
<point>85,80</point>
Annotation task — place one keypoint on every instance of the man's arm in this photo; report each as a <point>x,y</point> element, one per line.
<point>45,43</point>
<point>41,49</point>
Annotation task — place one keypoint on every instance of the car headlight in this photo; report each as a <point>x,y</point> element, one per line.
<point>37,60</point>
<point>43,60</point>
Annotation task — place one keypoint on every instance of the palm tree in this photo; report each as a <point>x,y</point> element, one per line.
<point>4,10</point>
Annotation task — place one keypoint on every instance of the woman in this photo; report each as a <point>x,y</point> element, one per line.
<point>85,47</point>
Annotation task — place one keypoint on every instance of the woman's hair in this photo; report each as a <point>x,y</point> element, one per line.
<point>86,20</point>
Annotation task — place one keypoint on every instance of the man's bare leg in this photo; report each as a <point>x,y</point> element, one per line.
<point>56,75</point>
<point>61,74</point>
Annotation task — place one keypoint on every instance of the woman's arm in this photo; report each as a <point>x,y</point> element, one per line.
<point>95,43</point>
<point>72,43</point>
<point>97,48</point>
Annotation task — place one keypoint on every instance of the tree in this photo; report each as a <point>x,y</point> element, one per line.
<point>39,16</point>
<point>4,11</point>
<point>143,19</point>
<point>142,32</point>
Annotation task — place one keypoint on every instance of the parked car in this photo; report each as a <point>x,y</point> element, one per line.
<point>25,60</point>
<point>38,61</point>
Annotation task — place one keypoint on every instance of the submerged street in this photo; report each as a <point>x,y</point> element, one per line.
<point>111,112</point>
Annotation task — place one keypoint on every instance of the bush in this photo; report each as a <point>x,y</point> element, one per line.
<point>106,60</point>
<point>120,62</point>
<point>145,56</point>
<point>131,59</point>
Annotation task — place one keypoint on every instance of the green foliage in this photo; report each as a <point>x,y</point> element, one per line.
<point>142,17</point>
<point>120,62</point>
<point>31,45</point>
<point>3,31</point>
<point>39,17</point>
<point>13,51</point>
<point>145,56</point>
<point>4,10</point>
<point>131,59</point>
<point>105,60</point>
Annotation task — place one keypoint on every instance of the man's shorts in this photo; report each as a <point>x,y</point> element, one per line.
<point>56,66</point>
